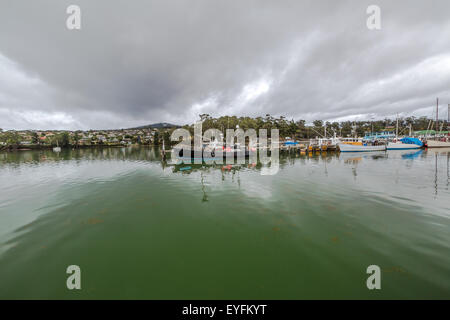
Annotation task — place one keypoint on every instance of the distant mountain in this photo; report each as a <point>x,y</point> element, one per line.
<point>160,125</point>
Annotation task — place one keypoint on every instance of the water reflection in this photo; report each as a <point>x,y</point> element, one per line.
<point>153,154</point>
<point>123,153</point>
<point>187,222</point>
<point>447,153</point>
<point>412,155</point>
<point>327,163</point>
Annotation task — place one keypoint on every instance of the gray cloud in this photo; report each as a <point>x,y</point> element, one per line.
<point>146,61</point>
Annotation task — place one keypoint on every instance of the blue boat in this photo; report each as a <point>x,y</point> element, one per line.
<point>405,144</point>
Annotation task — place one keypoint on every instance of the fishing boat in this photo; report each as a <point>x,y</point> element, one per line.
<point>323,144</point>
<point>215,152</point>
<point>328,144</point>
<point>405,144</point>
<point>359,145</point>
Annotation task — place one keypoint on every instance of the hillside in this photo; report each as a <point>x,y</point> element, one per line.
<point>160,125</point>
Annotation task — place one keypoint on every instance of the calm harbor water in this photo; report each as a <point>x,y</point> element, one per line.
<point>139,229</point>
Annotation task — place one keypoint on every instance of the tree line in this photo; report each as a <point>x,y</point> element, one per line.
<point>296,129</point>
<point>301,130</point>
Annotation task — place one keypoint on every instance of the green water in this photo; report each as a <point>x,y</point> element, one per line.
<point>139,229</point>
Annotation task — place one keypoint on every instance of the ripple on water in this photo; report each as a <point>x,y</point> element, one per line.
<point>319,220</point>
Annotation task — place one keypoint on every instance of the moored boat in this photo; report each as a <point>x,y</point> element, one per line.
<point>438,144</point>
<point>401,146</point>
<point>344,147</point>
<point>405,144</point>
<point>358,145</point>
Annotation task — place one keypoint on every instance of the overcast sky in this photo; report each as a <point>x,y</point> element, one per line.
<point>140,62</point>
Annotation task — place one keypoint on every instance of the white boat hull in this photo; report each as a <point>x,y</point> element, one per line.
<point>343,147</point>
<point>437,144</point>
<point>402,146</point>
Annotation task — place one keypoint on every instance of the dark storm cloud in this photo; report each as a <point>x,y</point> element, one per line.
<point>147,61</point>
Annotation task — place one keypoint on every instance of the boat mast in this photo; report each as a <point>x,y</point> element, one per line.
<point>163,151</point>
<point>448,117</point>
<point>396,129</point>
<point>437,116</point>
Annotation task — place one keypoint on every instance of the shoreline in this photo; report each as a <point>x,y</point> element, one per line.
<point>44,148</point>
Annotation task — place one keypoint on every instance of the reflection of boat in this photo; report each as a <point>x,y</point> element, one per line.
<point>191,168</point>
<point>352,157</point>
<point>353,160</point>
<point>405,144</point>
<point>412,155</point>
<point>442,151</point>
